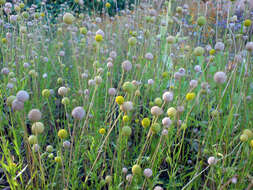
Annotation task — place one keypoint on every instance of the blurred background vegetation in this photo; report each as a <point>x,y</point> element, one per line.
<point>84,6</point>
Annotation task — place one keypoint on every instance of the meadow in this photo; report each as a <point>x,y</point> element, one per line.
<point>157,97</point>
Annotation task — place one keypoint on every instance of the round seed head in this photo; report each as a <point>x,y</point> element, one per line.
<point>78,113</point>
<point>168,97</point>
<point>156,111</point>
<point>22,96</point>
<point>126,65</point>
<point>136,169</point>
<point>17,105</point>
<point>34,115</point>
<point>37,128</point>
<point>147,172</point>
<point>220,77</point>
<point>212,160</point>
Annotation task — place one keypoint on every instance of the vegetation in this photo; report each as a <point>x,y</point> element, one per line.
<point>157,97</point>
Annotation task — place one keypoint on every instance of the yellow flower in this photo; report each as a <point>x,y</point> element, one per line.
<point>119,100</point>
<point>42,14</point>
<point>190,96</point>
<point>99,37</point>
<point>102,131</point>
<point>4,40</point>
<point>62,133</point>
<point>145,122</point>
<point>251,143</point>
<point>125,118</point>
<point>247,22</point>
<point>212,52</point>
<point>108,5</point>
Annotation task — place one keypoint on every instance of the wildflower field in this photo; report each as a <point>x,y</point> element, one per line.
<point>159,96</point>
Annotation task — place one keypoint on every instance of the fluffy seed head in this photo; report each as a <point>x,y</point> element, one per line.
<point>112,91</point>
<point>219,46</point>
<point>78,113</point>
<point>220,77</point>
<point>126,65</point>
<point>149,56</point>
<point>167,96</point>
<point>66,144</point>
<point>166,122</point>
<point>147,172</point>
<point>22,96</point>
<point>62,91</point>
<point>212,160</point>
<point>156,111</point>
<point>34,115</point>
<point>158,188</point>
<point>198,51</point>
<point>127,106</point>
<point>249,46</point>
<point>193,83</point>
<point>124,170</point>
<point>17,105</point>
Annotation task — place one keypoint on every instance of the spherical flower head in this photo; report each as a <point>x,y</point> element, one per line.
<point>127,106</point>
<point>132,41</point>
<point>129,177</point>
<point>212,51</point>
<point>5,71</point>
<point>193,83</point>
<point>220,77</point>
<point>201,21</point>
<point>17,105</point>
<point>34,115</point>
<point>49,148</point>
<point>248,132</point>
<point>126,118</point>
<point>156,111</point>
<point>166,122</point>
<point>112,91</point>
<point>171,112</point>
<point>22,96</point>
<point>247,22</point>
<point>198,51</point>
<point>126,131</point>
<point>136,169</point>
<point>158,101</point>
<point>158,188</point>
<point>190,96</point>
<point>107,5</point>
<point>167,96</point>
<point>32,139</point>
<point>102,131</point>
<point>147,172</point>
<point>150,81</point>
<point>126,65</point>
<point>251,143</point>
<point>145,122</point>
<point>58,159</point>
<point>66,144</point>
<point>78,113</point>
<point>46,93</point>
<point>65,101</point>
<point>62,133</point>
<point>212,160</point>
<point>83,30</point>
<point>119,100</point>
<point>10,99</point>
<point>124,170</point>
<point>164,132</point>
<point>197,68</point>
<point>99,38</point>
<point>37,128</point>
<point>155,128</point>
<point>62,91</point>
<point>98,79</point>
<point>68,18</point>
<point>244,138</point>
<point>219,46</point>
<point>171,39</point>
<point>249,46</point>
<point>128,87</point>
<point>149,56</point>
